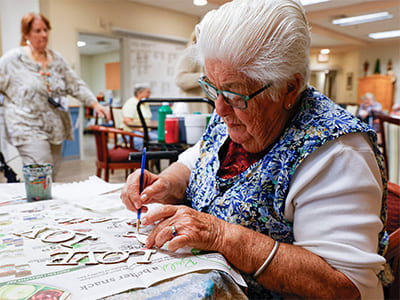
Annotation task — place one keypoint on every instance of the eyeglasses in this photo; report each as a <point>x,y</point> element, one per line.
<point>233,99</point>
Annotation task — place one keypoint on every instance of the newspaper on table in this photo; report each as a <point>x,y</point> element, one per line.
<point>83,193</point>
<point>54,248</point>
<point>87,194</point>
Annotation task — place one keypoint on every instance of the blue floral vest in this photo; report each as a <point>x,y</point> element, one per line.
<point>256,198</point>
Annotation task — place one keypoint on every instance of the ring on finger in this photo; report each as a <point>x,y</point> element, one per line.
<point>173,231</point>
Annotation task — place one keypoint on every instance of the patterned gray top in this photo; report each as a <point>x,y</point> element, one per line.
<point>28,115</point>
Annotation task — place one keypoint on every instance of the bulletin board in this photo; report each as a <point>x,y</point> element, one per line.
<point>154,62</point>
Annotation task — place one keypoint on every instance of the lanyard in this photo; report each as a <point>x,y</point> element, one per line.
<point>46,79</point>
<point>45,76</point>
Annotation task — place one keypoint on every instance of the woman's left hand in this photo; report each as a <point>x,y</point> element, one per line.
<point>194,229</point>
<point>102,111</point>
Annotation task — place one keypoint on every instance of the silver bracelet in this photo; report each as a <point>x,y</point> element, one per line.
<point>268,260</point>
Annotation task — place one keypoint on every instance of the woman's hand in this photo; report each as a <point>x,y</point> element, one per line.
<point>102,111</point>
<point>363,114</point>
<point>155,189</point>
<point>194,229</point>
<point>169,187</point>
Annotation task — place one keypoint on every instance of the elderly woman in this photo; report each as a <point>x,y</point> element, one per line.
<point>129,112</point>
<point>368,109</point>
<point>284,183</point>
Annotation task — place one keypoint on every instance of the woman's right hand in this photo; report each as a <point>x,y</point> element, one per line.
<point>155,189</point>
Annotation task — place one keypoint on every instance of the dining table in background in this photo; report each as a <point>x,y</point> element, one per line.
<point>152,124</point>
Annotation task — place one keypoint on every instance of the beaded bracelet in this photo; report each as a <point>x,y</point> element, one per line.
<point>268,260</point>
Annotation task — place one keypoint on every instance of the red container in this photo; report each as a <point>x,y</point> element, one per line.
<point>171,130</point>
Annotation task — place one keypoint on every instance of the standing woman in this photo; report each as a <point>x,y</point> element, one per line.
<point>188,71</point>
<point>35,82</point>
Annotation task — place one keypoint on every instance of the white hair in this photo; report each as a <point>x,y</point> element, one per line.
<point>369,96</point>
<point>138,87</point>
<point>266,40</point>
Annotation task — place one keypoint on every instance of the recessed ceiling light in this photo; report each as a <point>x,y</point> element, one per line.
<point>325,51</point>
<point>309,2</point>
<point>81,44</point>
<point>200,2</point>
<point>385,34</point>
<point>362,19</point>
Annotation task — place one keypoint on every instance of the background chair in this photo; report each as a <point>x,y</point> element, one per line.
<point>350,107</point>
<point>111,154</point>
<point>393,228</point>
<point>117,117</point>
<point>390,142</point>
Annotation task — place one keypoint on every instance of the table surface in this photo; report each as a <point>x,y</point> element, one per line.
<point>152,124</point>
<point>206,284</point>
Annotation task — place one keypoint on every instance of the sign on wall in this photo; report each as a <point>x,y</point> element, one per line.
<point>154,62</point>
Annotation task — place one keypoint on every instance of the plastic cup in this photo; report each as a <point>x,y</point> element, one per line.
<point>38,180</point>
<point>163,111</point>
<point>182,130</point>
<point>171,130</point>
<point>195,125</point>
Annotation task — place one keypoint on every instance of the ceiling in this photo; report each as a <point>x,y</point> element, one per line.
<point>324,33</point>
<point>96,44</point>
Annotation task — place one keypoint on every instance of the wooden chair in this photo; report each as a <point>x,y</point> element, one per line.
<point>115,155</point>
<point>393,228</point>
<point>386,119</point>
<point>117,117</point>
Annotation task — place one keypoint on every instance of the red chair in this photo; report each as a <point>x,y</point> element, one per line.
<point>393,228</point>
<point>113,147</point>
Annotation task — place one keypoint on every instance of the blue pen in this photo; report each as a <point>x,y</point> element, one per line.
<point>142,166</point>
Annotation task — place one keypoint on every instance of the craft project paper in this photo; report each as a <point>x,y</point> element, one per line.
<point>99,257</point>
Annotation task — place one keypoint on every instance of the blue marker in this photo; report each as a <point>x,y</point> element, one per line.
<point>142,166</point>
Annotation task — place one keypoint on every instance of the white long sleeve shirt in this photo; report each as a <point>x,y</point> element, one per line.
<point>334,202</point>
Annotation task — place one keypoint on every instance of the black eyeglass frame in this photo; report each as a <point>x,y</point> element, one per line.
<point>245,98</point>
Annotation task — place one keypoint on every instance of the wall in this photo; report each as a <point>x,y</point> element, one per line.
<point>11,13</point>
<point>86,70</point>
<point>317,80</point>
<point>343,63</point>
<point>69,17</point>
<point>93,69</point>
<point>1,42</point>
<point>352,61</point>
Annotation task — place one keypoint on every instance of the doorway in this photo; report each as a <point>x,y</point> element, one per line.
<point>325,82</point>
<point>95,51</point>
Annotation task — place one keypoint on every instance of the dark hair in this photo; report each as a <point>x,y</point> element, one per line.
<point>26,25</point>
